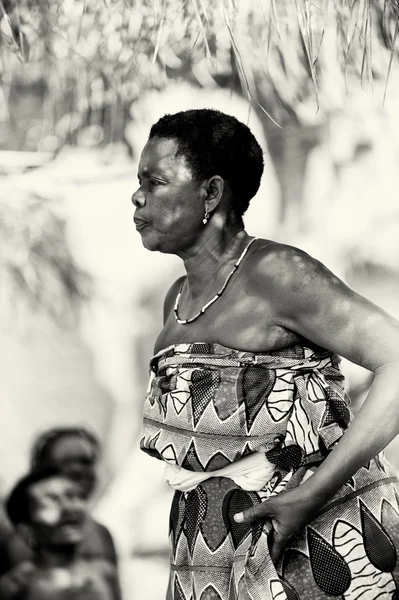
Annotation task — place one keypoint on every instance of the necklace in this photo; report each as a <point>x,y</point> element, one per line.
<point>220,292</point>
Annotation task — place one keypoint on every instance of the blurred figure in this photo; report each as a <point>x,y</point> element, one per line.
<point>6,534</point>
<point>75,451</point>
<point>49,511</point>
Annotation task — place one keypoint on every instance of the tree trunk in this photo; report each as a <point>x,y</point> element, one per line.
<point>289,149</point>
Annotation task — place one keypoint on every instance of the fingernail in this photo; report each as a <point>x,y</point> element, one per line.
<point>238,518</point>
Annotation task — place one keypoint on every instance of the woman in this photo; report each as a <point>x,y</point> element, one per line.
<point>75,451</point>
<point>276,497</point>
<point>48,509</point>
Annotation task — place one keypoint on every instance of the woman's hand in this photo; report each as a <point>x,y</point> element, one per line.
<point>288,513</point>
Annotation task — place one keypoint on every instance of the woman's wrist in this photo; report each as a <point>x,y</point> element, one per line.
<point>317,490</point>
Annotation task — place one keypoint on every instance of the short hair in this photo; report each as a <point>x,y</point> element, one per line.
<point>47,439</point>
<point>214,143</point>
<point>17,505</point>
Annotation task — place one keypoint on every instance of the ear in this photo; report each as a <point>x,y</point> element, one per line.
<point>214,189</point>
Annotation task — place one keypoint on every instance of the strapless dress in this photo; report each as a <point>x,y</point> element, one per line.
<point>208,406</point>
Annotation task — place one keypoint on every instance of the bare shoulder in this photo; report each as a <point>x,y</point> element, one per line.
<point>270,257</point>
<point>171,296</point>
<point>295,284</point>
<point>98,529</point>
<point>281,267</point>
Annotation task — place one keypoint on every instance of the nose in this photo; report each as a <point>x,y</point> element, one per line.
<point>138,198</point>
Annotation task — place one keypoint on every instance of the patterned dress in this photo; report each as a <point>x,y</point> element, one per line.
<point>207,406</point>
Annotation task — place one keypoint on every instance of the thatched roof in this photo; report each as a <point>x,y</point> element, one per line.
<point>91,51</point>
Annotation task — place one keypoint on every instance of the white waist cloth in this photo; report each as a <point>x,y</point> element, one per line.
<point>251,473</point>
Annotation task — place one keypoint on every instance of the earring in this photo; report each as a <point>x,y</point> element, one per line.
<point>206,217</point>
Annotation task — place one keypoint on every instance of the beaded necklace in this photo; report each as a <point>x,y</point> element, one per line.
<point>220,292</point>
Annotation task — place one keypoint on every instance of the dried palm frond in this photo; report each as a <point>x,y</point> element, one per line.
<point>37,269</point>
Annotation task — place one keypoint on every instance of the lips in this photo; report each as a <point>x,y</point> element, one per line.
<point>72,521</point>
<point>140,224</point>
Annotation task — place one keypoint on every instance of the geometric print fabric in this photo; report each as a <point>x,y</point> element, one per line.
<point>206,407</point>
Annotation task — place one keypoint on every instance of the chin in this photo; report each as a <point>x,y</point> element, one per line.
<point>70,536</point>
<point>149,241</point>
<point>153,244</point>
<point>152,247</point>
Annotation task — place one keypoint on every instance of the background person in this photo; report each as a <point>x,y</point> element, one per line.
<point>48,510</point>
<point>75,451</point>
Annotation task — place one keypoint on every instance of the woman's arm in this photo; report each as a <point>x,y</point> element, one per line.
<point>314,303</point>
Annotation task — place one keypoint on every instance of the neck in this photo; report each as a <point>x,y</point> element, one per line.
<point>212,251</point>
<point>56,556</point>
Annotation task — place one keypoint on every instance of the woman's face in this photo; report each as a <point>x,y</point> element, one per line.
<point>77,459</point>
<point>58,511</point>
<point>169,202</point>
